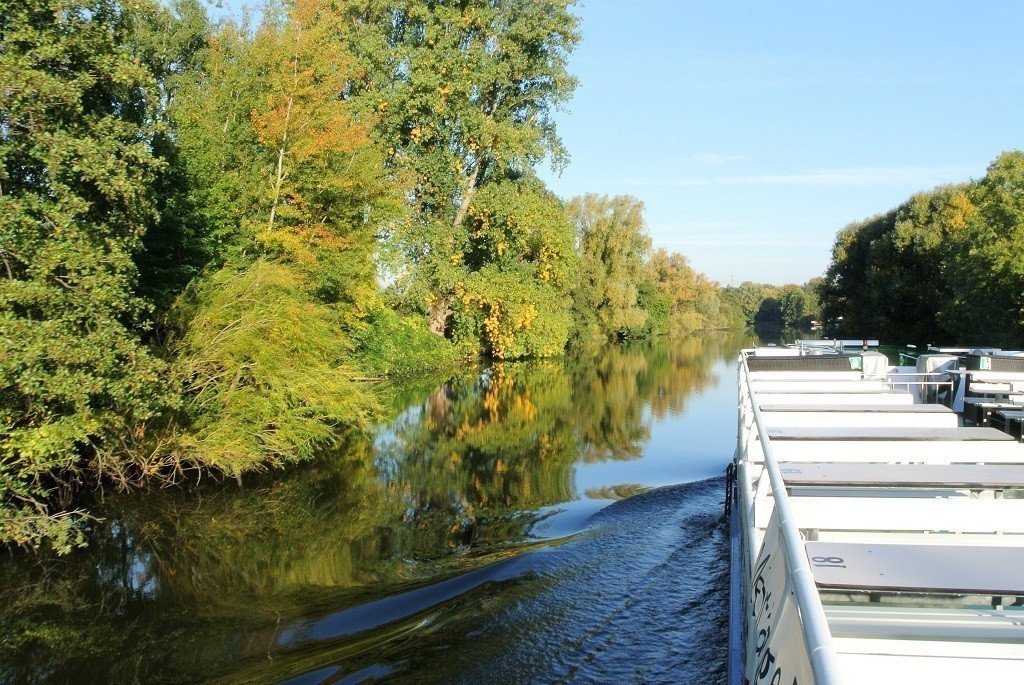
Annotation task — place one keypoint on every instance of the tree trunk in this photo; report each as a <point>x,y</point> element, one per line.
<point>437,317</point>
<point>467,194</point>
<point>280,171</point>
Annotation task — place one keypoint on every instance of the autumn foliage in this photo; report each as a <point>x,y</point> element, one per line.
<point>214,234</point>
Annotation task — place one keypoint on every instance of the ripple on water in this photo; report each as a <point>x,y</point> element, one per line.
<point>640,596</point>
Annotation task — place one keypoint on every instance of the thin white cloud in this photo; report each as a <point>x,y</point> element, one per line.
<point>743,242</point>
<point>914,176</point>
<point>716,159</point>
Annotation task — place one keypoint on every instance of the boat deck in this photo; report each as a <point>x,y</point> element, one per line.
<point>882,539</point>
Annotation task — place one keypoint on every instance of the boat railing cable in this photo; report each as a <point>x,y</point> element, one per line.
<point>813,623</point>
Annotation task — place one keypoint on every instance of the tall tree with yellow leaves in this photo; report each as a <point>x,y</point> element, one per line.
<point>465,94</point>
<point>324,191</point>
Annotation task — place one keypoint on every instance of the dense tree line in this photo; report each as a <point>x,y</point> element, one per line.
<point>196,219</point>
<point>943,267</point>
<point>771,308</point>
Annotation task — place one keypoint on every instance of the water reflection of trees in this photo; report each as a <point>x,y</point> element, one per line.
<point>618,390</point>
<point>478,454</point>
<point>686,366</point>
<point>179,586</point>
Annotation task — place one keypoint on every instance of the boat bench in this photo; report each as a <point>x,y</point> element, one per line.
<point>920,623</point>
<point>820,387</point>
<point>957,476</point>
<point>1010,421</point>
<point>924,660</point>
<point>934,445</point>
<point>859,408</point>
<point>899,451</point>
<point>854,398</point>
<point>893,434</point>
<point>984,382</point>
<point>902,514</point>
<point>952,569</point>
<point>979,410</point>
<point>806,375</point>
<point>1013,389</point>
<point>866,415</point>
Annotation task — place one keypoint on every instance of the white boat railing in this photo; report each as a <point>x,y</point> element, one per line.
<point>813,623</point>
<point>927,384</point>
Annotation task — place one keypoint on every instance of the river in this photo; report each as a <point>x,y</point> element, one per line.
<point>543,521</point>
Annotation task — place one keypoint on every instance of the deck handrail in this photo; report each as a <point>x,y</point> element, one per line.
<point>813,623</point>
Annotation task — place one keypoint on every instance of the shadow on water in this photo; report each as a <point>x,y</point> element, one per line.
<point>537,521</point>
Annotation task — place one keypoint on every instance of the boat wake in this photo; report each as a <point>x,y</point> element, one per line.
<point>640,595</point>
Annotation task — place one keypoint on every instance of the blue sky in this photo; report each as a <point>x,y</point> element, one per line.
<point>754,131</point>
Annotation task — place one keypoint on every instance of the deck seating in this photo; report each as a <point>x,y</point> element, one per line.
<point>866,415</point>
<point>849,398</point>
<point>978,410</point>
<point>953,476</point>
<point>988,625</point>
<point>904,514</point>
<point>1010,421</point>
<point>947,569</point>
<point>891,434</point>
<point>805,376</point>
<point>821,386</point>
<point>865,660</point>
<point>913,526</point>
<point>999,451</point>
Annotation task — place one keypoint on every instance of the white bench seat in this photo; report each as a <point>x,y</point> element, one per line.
<point>961,476</point>
<point>987,376</point>
<point>806,376</point>
<point>900,514</point>
<point>887,399</point>
<point>890,434</point>
<point>899,451</point>
<point>836,417</point>
<point>885,662</point>
<point>947,569</point>
<point>864,408</point>
<point>817,387</point>
<point>925,623</point>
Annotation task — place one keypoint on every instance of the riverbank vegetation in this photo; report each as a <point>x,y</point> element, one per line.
<point>772,309</point>
<point>213,234</point>
<point>460,473</point>
<point>943,267</point>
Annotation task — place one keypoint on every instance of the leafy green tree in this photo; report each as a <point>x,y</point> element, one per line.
<point>848,298</point>
<point>890,275</point>
<point>463,95</point>
<point>613,245</point>
<point>323,192</point>
<point>516,271</point>
<point>769,314</point>
<point>986,271</point>
<point>264,344</point>
<point>76,164</point>
<point>220,163</point>
<point>745,300</point>
<point>798,305</point>
<point>171,39</point>
<point>692,299</point>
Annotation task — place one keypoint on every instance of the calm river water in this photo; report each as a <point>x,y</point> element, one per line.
<point>547,521</point>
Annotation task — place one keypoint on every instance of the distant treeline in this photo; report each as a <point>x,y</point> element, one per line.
<point>212,232</point>
<point>946,266</point>
<point>772,308</point>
